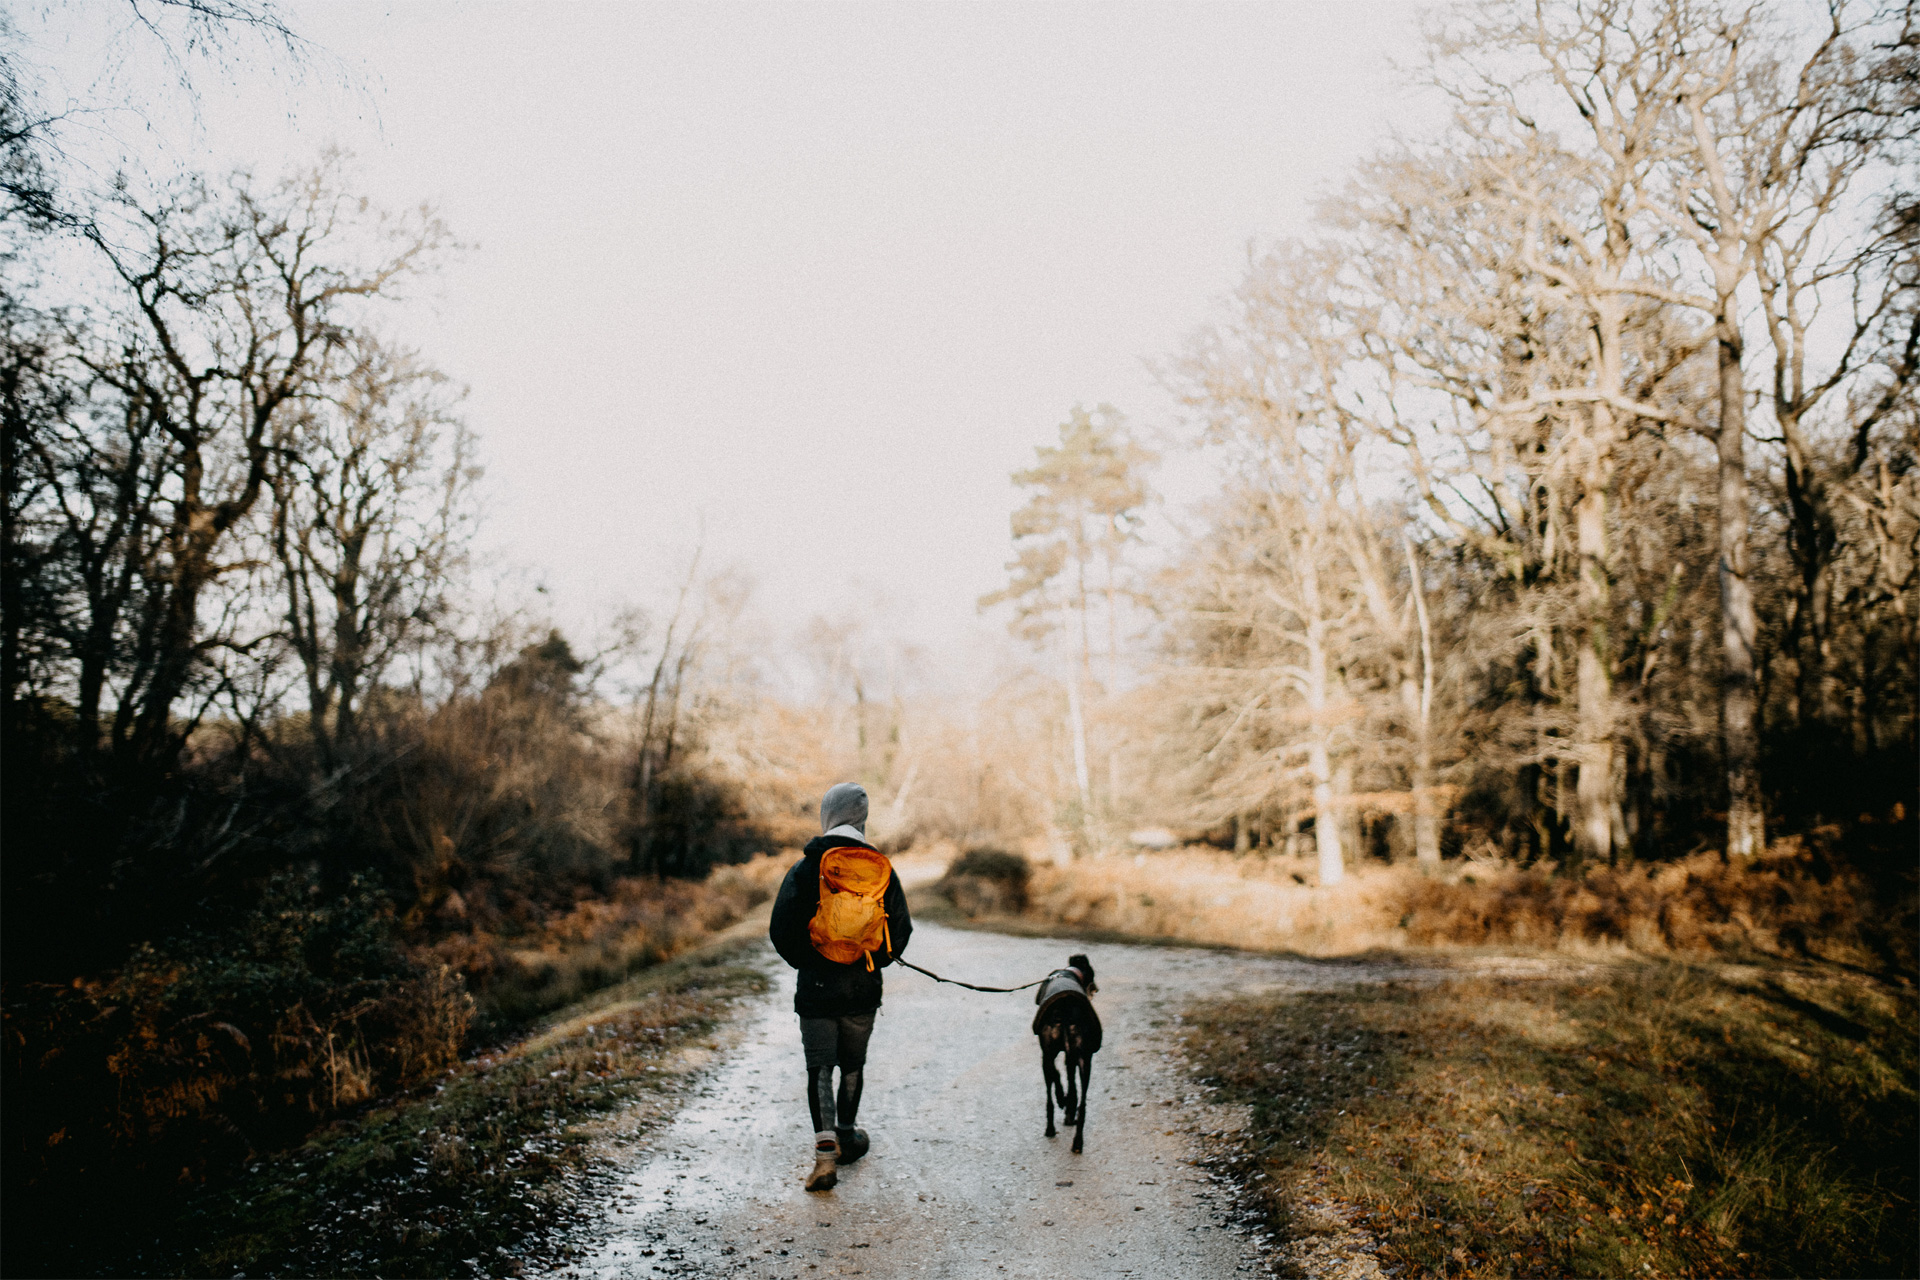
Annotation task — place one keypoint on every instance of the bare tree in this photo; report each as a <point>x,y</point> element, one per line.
<point>668,711</point>
<point>43,183</point>
<point>1572,135</point>
<point>1713,136</point>
<point>35,400</point>
<point>658,719</point>
<point>1485,500</point>
<point>370,523</point>
<point>1780,149</point>
<point>1730,210</point>
<point>1285,305</point>
<point>91,477</point>
<point>235,303</point>
<point>1528,306</point>
<point>1282,610</point>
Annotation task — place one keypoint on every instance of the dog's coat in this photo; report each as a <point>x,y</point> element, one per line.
<point>1066,1023</point>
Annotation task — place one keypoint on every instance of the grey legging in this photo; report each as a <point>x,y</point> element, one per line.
<point>830,1043</point>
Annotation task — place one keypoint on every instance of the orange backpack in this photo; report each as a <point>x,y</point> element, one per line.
<point>850,923</point>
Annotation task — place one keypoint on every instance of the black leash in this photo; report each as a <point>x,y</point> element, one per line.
<point>968,985</point>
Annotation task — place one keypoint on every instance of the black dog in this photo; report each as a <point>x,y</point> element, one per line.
<point>1066,1023</point>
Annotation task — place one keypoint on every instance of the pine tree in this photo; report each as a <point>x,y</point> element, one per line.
<point>1087,496</point>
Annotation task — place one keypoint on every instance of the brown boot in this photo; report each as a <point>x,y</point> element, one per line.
<point>826,1156</point>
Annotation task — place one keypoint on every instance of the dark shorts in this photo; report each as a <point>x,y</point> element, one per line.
<point>836,1042</point>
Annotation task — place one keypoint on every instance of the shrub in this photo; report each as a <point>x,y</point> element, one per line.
<point>987,882</point>
<point>1794,903</point>
<point>223,1042</point>
<point>641,922</point>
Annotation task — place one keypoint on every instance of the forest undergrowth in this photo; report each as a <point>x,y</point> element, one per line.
<point>1638,1118</point>
<point>1803,901</point>
<point>468,1174</point>
<point>640,922</point>
<point>187,1076</point>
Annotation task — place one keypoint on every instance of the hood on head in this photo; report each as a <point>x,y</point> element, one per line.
<point>845,805</point>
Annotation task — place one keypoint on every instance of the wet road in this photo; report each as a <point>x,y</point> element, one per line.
<point>961,1181</point>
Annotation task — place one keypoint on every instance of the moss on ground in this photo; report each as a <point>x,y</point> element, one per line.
<point>1639,1120</point>
<point>470,1176</point>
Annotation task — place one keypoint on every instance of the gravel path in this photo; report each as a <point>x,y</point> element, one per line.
<point>960,1182</point>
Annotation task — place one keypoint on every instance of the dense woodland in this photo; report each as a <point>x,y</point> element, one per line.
<point>1568,514</point>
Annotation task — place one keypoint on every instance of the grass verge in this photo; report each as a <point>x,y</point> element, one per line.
<point>473,1174</point>
<point>1649,1119</point>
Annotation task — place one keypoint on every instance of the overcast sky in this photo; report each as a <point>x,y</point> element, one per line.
<point>814,278</point>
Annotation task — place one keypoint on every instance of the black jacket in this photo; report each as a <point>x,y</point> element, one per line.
<point>828,989</point>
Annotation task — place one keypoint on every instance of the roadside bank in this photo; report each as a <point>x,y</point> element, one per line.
<point>476,1173</point>
<point>1652,1119</point>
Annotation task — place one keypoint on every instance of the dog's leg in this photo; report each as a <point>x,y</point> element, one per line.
<point>1049,1081</point>
<point>1052,1045</point>
<point>1086,1088</point>
<point>1072,1101</point>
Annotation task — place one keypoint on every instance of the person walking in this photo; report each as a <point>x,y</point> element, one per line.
<point>839,919</point>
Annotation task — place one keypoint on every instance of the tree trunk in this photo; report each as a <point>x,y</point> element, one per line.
<point>12,445</point>
<point>154,743</point>
<point>349,653</point>
<point>1426,821</point>
<point>1562,799</point>
<point>1076,691</point>
<point>1113,633</point>
<point>1352,830</point>
<point>860,725</point>
<point>1593,799</point>
<point>1326,803</point>
<point>96,650</point>
<point>1739,704</point>
<point>319,703</point>
<point>1077,721</point>
<point>1865,741</point>
<point>1326,825</point>
<point>1811,543</point>
<point>1426,809</point>
<point>1826,690</point>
